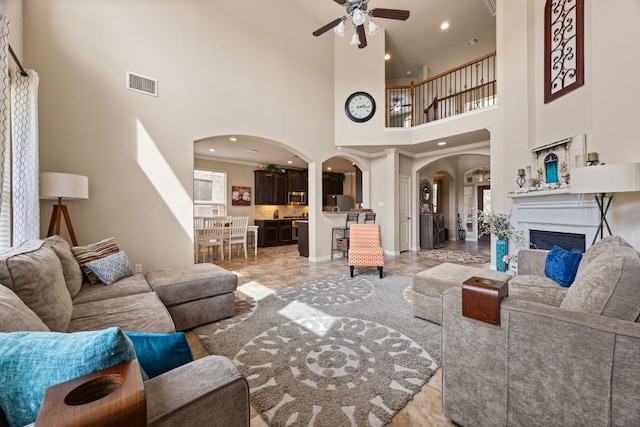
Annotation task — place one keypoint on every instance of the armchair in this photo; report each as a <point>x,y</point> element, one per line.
<point>365,248</point>
<point>561,356</point>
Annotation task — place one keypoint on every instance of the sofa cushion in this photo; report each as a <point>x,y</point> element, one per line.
<point>608,285</point>
<point>602,246</point>
<point>131,285</point>
<point>70,267</point>
<point>539,289</point>
<point>562,265</point>
<point>92,252</point>
<point>140,312</point>
<point>111,268</point>
<point>33,271</point>
<point>32,361</point>
<point>177,285</point>
<point>15,315</point>
<point>160,353</point>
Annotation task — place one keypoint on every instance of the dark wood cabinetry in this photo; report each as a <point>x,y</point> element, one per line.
<point>330,186</point>
<point>271,188</point>
<point>303,238</point>
<point>296,180</point>
<point>431,231</point>
<point>274,232</point>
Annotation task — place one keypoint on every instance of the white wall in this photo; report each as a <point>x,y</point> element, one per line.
<point>220,69</point>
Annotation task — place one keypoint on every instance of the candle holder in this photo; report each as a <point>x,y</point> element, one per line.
<point>520,180</point>
<point>592,159</point>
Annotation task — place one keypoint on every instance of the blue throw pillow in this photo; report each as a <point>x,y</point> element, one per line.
<point>32,361</point>
<point>159,353</point>
<point>562,265</point>
<point>111,268</point>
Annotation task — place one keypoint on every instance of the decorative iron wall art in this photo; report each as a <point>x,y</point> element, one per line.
<point>563,47</point>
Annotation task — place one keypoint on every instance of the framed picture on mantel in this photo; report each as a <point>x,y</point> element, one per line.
<point>563,47</point>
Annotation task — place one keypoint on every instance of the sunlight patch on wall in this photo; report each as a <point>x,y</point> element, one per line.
<point>155,167</point>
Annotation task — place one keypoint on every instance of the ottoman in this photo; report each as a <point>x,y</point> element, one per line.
<point>195,294</point>
<point>428,286</point>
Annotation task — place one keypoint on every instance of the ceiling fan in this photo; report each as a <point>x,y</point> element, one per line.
<point>357,12</point>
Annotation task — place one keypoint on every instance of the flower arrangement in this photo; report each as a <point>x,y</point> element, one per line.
<point>500,226</point>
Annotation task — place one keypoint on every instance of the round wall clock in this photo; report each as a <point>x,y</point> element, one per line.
<point>360,107</point>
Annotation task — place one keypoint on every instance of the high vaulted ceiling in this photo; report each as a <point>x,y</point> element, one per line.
<point>412,44</point>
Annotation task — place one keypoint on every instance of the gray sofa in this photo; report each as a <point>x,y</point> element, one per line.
<point>42,290</point>
<point>561,356</point>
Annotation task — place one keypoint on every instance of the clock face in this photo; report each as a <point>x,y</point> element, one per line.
<point>360,107</point>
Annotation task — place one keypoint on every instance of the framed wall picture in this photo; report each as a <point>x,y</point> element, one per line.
<point>240,196</point>
<point>563,47</point>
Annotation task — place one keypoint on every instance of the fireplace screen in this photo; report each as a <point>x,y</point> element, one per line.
<point>571,242</point>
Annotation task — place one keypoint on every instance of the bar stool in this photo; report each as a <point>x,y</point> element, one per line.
<point>369,218</point>
<point>343,233</point>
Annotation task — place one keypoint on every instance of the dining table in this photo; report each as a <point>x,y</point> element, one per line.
<point>253,229</point>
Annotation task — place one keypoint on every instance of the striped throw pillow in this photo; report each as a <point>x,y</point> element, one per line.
<point>92,252</point>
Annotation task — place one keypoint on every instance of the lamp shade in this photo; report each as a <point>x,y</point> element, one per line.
<point>609,178</point>
<point>66,185</point>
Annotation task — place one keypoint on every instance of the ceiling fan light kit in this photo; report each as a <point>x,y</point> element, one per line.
<point>358,13</point>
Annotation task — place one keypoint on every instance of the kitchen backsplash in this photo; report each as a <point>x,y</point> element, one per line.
<point>266,211</point>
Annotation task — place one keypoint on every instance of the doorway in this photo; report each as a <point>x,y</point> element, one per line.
<point>404,207</point>
<point>484,204</point>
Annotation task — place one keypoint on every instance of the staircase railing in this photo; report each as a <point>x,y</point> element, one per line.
<point>465,88</point>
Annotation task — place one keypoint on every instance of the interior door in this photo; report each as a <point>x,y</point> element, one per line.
<point>405,223</point>
<point>484,202</point>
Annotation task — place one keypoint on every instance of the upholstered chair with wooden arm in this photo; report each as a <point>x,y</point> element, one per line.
<point>365,248</point>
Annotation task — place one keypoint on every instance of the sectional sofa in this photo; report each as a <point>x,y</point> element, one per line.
<point>42,289</point>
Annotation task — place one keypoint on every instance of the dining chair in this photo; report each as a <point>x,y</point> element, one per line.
<point>212,235</point>
<point>237,233</point>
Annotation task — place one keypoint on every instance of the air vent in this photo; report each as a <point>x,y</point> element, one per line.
<point>491,5</point>
<point>142,84</point>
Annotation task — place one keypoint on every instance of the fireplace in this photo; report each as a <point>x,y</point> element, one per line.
<point>572,242</point>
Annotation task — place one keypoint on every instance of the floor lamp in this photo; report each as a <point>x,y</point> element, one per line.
<point>603,181</point>
<point>54,185</point>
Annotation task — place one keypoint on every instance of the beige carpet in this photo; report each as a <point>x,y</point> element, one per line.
<point>455,256</point>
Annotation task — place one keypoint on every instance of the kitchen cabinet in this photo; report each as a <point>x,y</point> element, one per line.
<point>271,188</point>
<point>274,232</point>
<point>296,180</point>
<point>331,187</point>
<point>431,231</point>
<point>303,238</point>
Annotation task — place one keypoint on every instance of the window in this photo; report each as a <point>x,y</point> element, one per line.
<point>209,193</point>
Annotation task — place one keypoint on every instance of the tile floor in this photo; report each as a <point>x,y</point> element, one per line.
<point>280,267</point>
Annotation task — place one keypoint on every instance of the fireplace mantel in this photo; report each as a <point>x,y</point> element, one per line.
<point>556,210</point>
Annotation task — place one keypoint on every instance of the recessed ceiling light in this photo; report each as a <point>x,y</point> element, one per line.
<point>290,162</point>
<point>252,151</point>
<point>213,150</point>
<point>442,143</point>
<point>329,168</point>
<point>444,25</point>
<point>387,56</point>
<point>233,138</point>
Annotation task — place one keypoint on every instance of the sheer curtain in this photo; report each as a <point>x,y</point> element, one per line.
<point>19,204</point>
<point>5,146</point>
<point>24,147</point>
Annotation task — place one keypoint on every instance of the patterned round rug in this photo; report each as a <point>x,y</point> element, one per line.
<point>339,351</point>
<point>451,255</point>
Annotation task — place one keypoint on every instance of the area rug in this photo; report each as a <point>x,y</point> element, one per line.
<point>455,256</point>
<point>281,250</point>
<point>334,352</point>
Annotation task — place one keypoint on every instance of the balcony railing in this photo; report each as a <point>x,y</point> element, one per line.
<point>466,88</point>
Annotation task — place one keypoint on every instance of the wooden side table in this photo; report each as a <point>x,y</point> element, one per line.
<point>481,299</point>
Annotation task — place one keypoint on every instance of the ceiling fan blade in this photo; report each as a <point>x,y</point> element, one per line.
<point>340,2</point>
<point>390,13</point>
<point>361,36</point>
<point>327,27</point>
